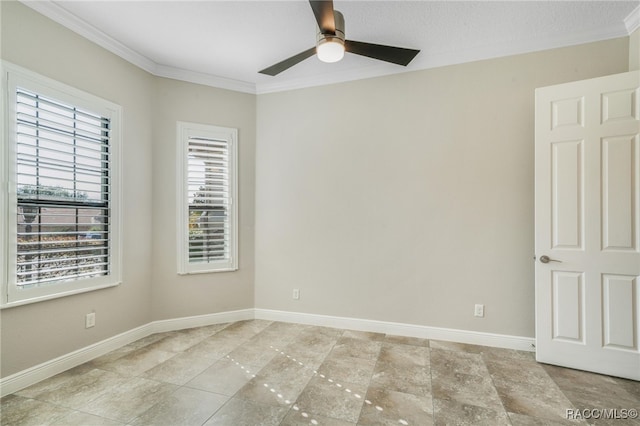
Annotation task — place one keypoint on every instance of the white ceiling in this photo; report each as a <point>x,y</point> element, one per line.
<point>226,43</point>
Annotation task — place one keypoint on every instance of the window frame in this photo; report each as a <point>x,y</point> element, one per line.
<point>14,77</point>
<point>185,131</point>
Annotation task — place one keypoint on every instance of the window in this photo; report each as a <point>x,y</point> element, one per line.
<point>207,193</point>
<point>63,193</point>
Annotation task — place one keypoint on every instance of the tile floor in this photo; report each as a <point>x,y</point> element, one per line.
<point>271,373</point>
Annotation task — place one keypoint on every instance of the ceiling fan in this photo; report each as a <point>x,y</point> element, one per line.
<point>331,43</point>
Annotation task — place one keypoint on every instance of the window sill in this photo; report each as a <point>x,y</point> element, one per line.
<point>209,271</point>
<point>55,296</point>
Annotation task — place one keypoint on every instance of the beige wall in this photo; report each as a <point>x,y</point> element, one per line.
<point>151,289</point>
<point>39,332</point>
<point>409,198</point>
<point>181,296</point>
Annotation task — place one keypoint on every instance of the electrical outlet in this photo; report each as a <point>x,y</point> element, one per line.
<point>90,320</point>
<point>296,294</point>
<point>479,311</point>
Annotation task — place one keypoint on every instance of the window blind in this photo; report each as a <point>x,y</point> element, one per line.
<point>209,199</point>
<point>63,191</point>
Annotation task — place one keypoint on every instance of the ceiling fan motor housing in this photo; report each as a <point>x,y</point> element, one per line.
<point>338,37</point>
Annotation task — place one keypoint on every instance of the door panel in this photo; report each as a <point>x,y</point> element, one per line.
<point>566,192</point>
<point>619,173</point>
<point>587,186</point>
<point>567,113</point>
<point>568,306</point>
<point>621,105</point>
<point>620,308</point>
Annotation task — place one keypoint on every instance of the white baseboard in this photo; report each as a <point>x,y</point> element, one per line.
<point>24,378</point>
<point>201,320</point>
<point>401,329</point>
<point>30,376</point>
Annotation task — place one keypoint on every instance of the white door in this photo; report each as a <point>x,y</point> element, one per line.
<point>587,225</point>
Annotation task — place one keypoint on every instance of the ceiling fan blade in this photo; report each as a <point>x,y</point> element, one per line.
<point>323,11</point>
<point>288,63</point>
<point>396,55</point>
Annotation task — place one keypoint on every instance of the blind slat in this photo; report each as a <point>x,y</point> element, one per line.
<point>65,278</point>
<point>42,261</point>
<point>51,246</point>
<point>97,149</point>
<point>65,251</point>
<point>62,165</point>
<point>62,133</point>
<point>35,112</point>
<point>60,233</point>
<point>55,121</point>
<point>103,218</point>
<point>24,96</point>
<point>65,268</point>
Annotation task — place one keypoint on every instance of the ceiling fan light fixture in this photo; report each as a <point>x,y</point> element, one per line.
<point>330,49</point>
<point>330,42</point>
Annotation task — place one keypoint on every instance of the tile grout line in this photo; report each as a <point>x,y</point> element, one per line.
<point>310,378</point>
<point>369,385</point>
<point>506,413</point>
<point>232,396</point>
<point>178,387</point>
<point>433,399</point>
<point>254,375</point>
<point>307,384</point>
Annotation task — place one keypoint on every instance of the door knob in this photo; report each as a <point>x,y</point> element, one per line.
<point>547,259</point>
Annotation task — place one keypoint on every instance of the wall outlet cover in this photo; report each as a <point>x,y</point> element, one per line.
<point>90,320</point>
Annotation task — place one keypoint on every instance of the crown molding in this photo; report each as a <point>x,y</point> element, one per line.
<point>425,61</point>
<point>77,25</point>
<point>63,17</point>
<point>632,21</point>
<point>205,79</point>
